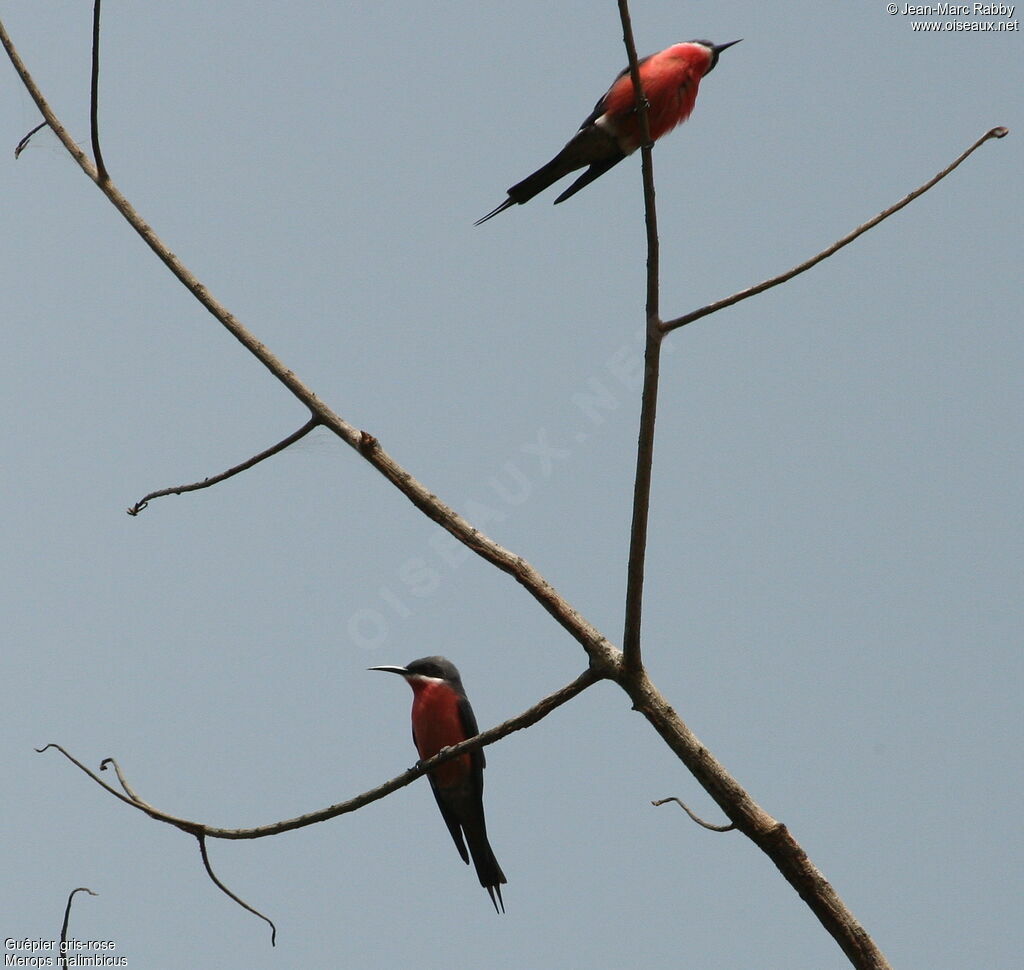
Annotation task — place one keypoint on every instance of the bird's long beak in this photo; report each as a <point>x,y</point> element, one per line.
<point>718,48</point>
<point>391,670</point>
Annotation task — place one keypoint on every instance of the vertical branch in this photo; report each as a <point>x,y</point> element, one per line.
<point>632,660</point>
<point>62,959</point>
<point>94,111</point>
<point>642,103</point>
<point>641,506</point>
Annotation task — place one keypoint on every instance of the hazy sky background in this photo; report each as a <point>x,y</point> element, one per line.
<point>833,602</point>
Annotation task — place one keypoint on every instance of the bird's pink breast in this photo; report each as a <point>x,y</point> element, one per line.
<point>670,79</point>
<point>437,725</point>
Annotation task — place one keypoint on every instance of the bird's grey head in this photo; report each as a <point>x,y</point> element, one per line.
<point>715,49</point>
<point>440,668</point>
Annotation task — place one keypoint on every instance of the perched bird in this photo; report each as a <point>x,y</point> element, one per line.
<point>441,718</point>
<point>611,131</point>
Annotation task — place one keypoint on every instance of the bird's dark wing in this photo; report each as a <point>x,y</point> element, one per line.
<point>471,810</point>
<point>469,725</point>
<point>588,146</point>
<point>451,819</point>
<point>599,108</point>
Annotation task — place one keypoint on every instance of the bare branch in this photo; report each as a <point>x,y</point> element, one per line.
<point>641,505</point>
<point>224,889</point>
<point>647,165</point>
<point>999,132</point>
<point>652,356</point>
<point>62,960</point>
<point>696,818</point>
<point>312,423</point>
<point>530,716</point>
<point>642,104</point>
<point>94,122</point>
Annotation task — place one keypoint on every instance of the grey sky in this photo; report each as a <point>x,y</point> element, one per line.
<point>833,601</point>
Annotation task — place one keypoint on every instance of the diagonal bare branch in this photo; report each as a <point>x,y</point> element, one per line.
<point>668,326</point>
<point>770,835</point>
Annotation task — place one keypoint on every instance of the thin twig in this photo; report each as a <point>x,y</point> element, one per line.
<point>998,132</point>
<point>224,889</point>
<point>62,960</point>
<point>530,716</point>
<point>312,423</point>
<point>631,650</point>
<point>23,144</point>
<point>708,825</point>
<point>94,111</point>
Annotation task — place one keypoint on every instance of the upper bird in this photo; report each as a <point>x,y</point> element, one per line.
<point>441,718</point>
<point>611,131</point>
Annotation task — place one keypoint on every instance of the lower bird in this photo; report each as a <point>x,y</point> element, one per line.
<point>441,718</point>
<point>611,131</point>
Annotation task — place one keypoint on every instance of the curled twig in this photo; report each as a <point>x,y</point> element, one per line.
<point>696,818</point>
<point>124,782</point>
<point>184,824</point>
<point>214,480</point>
<point>224,889</point>
<point>62,960</point>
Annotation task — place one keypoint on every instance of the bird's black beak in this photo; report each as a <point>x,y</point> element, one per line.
<point>717,49</point>
<point>391,670</point>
